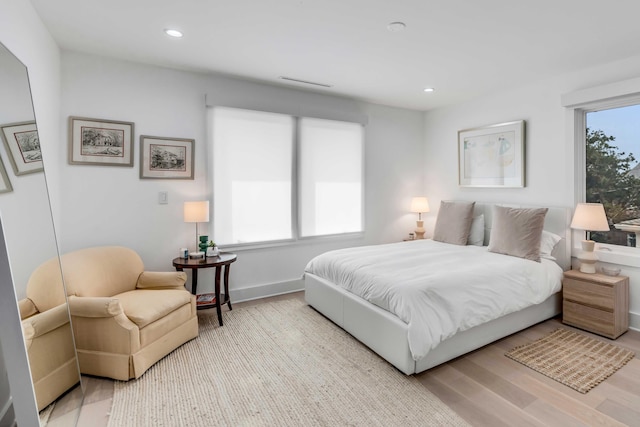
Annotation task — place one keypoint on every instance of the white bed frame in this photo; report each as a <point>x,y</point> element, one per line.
<point>386,334</point>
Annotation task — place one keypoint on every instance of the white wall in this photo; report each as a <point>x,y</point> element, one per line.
<point>111,205</point>
<point>549,152</point>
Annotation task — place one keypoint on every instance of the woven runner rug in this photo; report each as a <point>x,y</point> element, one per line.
<point>573,359</point>
<point>275,364</point>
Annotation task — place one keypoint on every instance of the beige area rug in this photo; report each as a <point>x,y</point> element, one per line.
<point>573,359</point>
<point>275,364</point>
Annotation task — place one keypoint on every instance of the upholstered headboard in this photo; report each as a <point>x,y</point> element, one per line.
<point>556,221</point>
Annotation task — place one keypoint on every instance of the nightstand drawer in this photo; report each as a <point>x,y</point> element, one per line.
<point>591,294</point>
<point>589,318</point>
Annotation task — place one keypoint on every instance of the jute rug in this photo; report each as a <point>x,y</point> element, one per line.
<point>275,364</point>
<point>571,358</point>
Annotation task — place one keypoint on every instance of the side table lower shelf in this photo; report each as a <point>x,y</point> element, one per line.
<point>208,300</point>
<point>205,301</point>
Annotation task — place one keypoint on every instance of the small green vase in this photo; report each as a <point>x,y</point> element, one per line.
<point>203,243</point>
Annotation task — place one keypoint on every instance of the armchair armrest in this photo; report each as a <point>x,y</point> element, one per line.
<point>100,325</point>
<point>161,280</point>
<point>45,322</point>
<point>27,308</point>
<point>94,306</point>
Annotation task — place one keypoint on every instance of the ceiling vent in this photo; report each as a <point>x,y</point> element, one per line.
<point>306,82</point>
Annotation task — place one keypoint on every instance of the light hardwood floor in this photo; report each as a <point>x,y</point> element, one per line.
<point>488,389</point>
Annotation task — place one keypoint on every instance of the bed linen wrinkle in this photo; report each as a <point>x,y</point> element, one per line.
<point>436,288</point>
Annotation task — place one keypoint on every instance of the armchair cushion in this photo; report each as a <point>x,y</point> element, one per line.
<point>143,307</point>
<point>161,279</point>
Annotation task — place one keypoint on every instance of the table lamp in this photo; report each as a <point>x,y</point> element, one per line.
<point>196,212</point>
<point>589,217</point>
<point>419,205</point>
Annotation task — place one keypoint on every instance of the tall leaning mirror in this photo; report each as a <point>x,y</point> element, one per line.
<point>33,253</point>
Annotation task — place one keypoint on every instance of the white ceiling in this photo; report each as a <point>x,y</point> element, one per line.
<point>462,48</point>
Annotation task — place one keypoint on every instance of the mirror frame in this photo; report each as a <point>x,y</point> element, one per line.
<point>21,251</point>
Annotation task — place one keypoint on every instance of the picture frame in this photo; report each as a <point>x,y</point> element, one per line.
<point>5,184</point>
<point>100,142</point>
<point>166,158</point>
<point>23,147</point>
<point>492,156</point>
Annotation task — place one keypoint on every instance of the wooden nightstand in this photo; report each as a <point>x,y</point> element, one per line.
<point>596,303</point>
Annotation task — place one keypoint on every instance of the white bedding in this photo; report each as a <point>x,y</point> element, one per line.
<point>436,288</point>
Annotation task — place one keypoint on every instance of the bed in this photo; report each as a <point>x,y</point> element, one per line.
<point>393,338</point>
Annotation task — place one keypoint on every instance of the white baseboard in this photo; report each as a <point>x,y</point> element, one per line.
<point>634,321</point>
<point>268,290</point>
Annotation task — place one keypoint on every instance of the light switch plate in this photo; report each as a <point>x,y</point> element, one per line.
<point>163,197</point>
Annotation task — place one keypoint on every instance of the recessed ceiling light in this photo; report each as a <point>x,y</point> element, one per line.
<point>173,33</point>
<point>429,89</point>
<point>396,27</point>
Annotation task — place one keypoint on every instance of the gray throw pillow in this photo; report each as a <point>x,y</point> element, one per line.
<point>517,231</point>
<point>454,222</point>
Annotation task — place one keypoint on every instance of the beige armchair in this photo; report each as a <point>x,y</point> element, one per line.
<point>47,334</point>
<point>125,319</point>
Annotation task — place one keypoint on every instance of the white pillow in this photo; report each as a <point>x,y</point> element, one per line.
<point>476,234</point>
<point>548,243</point>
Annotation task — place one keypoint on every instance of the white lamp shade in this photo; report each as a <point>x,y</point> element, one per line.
<point>196,211</point>
<point>590,217</point>
<point>419,204</point>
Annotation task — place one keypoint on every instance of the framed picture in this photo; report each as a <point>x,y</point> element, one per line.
<point>100,142</point>
<point>5,184</point>
<point>492,156</point>
<point>23,147</point>
<point>166,158</point>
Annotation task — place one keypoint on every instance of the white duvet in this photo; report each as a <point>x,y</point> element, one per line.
<point>436,288</point>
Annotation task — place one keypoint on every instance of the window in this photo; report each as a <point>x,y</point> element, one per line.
<point>278,178</point>
<point>612,175</point>
<point>252,176</point>
<point>330,177</point>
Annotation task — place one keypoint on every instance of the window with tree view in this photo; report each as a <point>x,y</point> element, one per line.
<point>613,171</point>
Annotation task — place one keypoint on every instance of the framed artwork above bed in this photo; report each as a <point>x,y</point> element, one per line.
<point>492,156</point>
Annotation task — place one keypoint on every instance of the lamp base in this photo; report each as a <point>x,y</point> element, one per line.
<point>420,229</point>
<point>587,257</point>
<point>587,268</point>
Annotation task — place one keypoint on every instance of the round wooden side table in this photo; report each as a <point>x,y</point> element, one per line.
<point>220,262</point>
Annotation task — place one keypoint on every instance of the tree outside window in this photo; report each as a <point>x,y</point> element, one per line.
<point>613,179</point>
